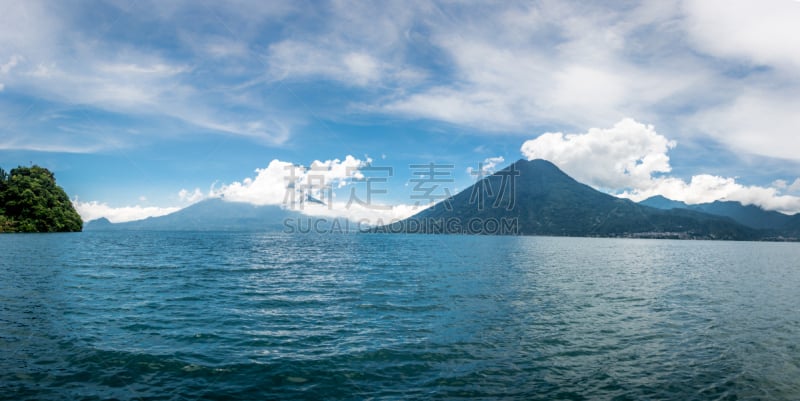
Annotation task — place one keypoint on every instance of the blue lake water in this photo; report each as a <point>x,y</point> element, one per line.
<point>203,315</point>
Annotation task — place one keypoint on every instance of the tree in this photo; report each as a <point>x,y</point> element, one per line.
<point>3,182</point>
<point>30,201</point>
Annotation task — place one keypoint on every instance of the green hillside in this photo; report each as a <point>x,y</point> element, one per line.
<point>536,198</point>
<point>30,201</point>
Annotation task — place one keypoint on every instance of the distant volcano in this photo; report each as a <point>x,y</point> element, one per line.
<point>207,215</point>
<point>537,198</point>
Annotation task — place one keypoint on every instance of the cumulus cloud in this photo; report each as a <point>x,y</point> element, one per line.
<point>312,190</point>
<point>707,68</point>
<point>784,186</point>
<point>288,184</point>
<point>487,167</point>
<point>631,160</point>
<point>704,67</point>
<point>626,155</point>
<point>191,196</point>
<point>94,210</point>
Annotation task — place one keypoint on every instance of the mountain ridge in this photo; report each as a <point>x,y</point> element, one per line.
<point>547,201</point>
<point>217,214</point>
<point>207,215</point>
<point>525,198</point>
<point>749,215</point>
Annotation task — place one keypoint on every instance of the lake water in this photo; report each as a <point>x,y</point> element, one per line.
<point>199,315</point>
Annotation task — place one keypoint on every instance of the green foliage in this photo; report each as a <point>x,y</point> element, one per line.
<point>30,201</point>
<point>549,202</point>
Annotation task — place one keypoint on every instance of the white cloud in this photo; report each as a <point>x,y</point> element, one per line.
<point>760,32</point>
<point>487,167</point>
<point>94,210</point>
<point>784,186</point>
<point>355,44</point>
<point>366,215</point>
<point>156,69</point>
<point>624,156</point>
<point>362,67</point>
<point>191,196</point>
<point>269,187</point>
<point>8,66</point>
<point>60,145</point>
<point>795,187</point>
<point>757,121</point>
<point>66,66</point>
<point>292,59</point>
<point>280,183</point>
<point>150,86</point>
<point>705,188</point>
<point>12,62</point>
<point>284,183</point>
<point>729,69</point>
<point>567,65</point>
<point>219,47</point>
<point>631,160</point>
<point>551,64</point>
<point>288,184</point>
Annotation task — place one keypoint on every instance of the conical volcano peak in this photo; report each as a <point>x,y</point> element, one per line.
<point>537,168</point>
<point>536,197</point>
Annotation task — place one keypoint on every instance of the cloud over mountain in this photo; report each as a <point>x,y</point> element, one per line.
<point>632,160</point>
<point>285,183</point>
<point>624,156</point>
<point>94,210</point>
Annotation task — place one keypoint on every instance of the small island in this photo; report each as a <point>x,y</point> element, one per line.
<point>31,201</point>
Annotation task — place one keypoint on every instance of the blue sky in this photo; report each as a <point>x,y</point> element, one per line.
<point>142,107</point>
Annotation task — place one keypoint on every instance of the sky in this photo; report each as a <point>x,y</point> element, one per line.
<point>143,107</point>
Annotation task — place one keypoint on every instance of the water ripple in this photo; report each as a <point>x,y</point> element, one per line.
<point>175,316</point>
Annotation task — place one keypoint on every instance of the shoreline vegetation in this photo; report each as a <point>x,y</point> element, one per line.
<point>32,202</point>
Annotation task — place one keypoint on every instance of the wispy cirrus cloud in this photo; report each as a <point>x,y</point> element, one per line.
<point>569,64</point>
<point>58,65</point>
<point>547,64</point>
<point>134,76</point>
<point>510,69</point>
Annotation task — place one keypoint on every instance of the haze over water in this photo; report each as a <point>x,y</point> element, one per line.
<point>226,315</point>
